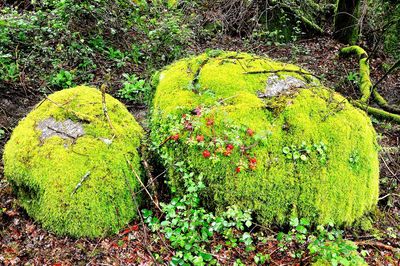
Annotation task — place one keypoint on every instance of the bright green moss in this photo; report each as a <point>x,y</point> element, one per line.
<point>337,185</point>
<point>46,171</point>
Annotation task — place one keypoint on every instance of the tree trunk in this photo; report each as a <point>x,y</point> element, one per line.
<point>346,21</point>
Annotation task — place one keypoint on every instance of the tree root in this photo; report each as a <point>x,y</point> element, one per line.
<point>367,89</point>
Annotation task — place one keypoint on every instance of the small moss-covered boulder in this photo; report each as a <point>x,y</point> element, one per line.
<point>71,167</point>
<point>267,136</point>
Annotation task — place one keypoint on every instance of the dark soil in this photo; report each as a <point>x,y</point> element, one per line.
<point>22,241</point>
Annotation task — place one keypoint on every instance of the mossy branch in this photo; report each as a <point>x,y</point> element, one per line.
<point>297,13</point>
<point>366,88</point>
<point>365,81</point>
<point>383,103</point>
<point>378,112</point>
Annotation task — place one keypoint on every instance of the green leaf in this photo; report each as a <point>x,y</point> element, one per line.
<point>286,150</point>
<point>294,221</point>
<point>206,256</point>
<point>248,223</point>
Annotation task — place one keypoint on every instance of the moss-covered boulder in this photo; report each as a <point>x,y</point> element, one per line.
<point>267,136</point>
<point>71,167</point>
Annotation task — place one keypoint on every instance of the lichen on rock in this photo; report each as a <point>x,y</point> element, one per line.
<point>276,85</point>
<point>297,149</point>
<point>70,169</point>
<point>64,129</point>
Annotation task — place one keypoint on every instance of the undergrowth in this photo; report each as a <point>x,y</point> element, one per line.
<point>57,44</point>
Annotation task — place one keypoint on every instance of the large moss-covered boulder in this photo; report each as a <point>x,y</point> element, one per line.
<point>71,167</point>
<point>267,136</point>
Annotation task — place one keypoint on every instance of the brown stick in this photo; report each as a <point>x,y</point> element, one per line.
<point>280,70</point>
<point>78,115</point>
<point>80,182</point>
<point>164,141</point>
<point>146,246</point>
<point>141,183</point>
<point>151,181</point>
<point>103,100</point>
<point>376,244</point>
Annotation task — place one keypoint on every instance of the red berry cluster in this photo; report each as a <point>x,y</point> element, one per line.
<point>188,121</point>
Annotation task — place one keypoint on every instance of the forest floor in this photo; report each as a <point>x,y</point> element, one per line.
<point>22,241</point>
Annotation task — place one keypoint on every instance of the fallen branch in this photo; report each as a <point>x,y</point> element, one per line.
<point>378,98</point>
<point>141,183</point>
<point>103,101</point>
<point>366,88</point>
<point>80,182</point>
<point>376,244</point>
<point>388,195</point>
<point>378,112</point>
<point>80,116</point>
<point>62,133</point>
<point>151,180</point>
<point>365,81</point>
<point>387,166</point>
<point>391,69</point>
<point>146,245</point>
<point>383,103</point>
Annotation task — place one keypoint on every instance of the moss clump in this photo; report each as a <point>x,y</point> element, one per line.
<point>66,141</point>
<point>267,136</point>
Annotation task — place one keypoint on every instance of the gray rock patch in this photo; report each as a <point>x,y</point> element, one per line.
<point>275,85</point>
<point>64,129</point>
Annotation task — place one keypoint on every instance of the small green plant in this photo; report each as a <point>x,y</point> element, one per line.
<point>9,70</point>
<point>354,157</point>
<point>117,56</point>
<point>298,235</point>
<point>304,151</point>
<point>261,259</point>
<point>2,133</point>
<point>325,245</point>
<point>353,77</point>
<point>135,89</point>
<point>63,79</point>
<point>329,246</point>
<point>189,227</point>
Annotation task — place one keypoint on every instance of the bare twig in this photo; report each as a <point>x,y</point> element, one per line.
<point>80,182</point>
<point>388,195</point>
<point>151,181</point>
<point>281,70</point>
<point>62,133</point>
<point>390,170</point>
<point>375,244</point>
<point>141,183</point>
<point>154,179</point>
<point>78,115</point>
<point>103,101</point>
<point>145,244</point>
<point>391,69</point>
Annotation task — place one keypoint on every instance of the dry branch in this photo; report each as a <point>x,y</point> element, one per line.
<point>103,101</point>
<point>80,182</point>
<point>376,244</point>
<point>367,89</point>
<point>143,186</point>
